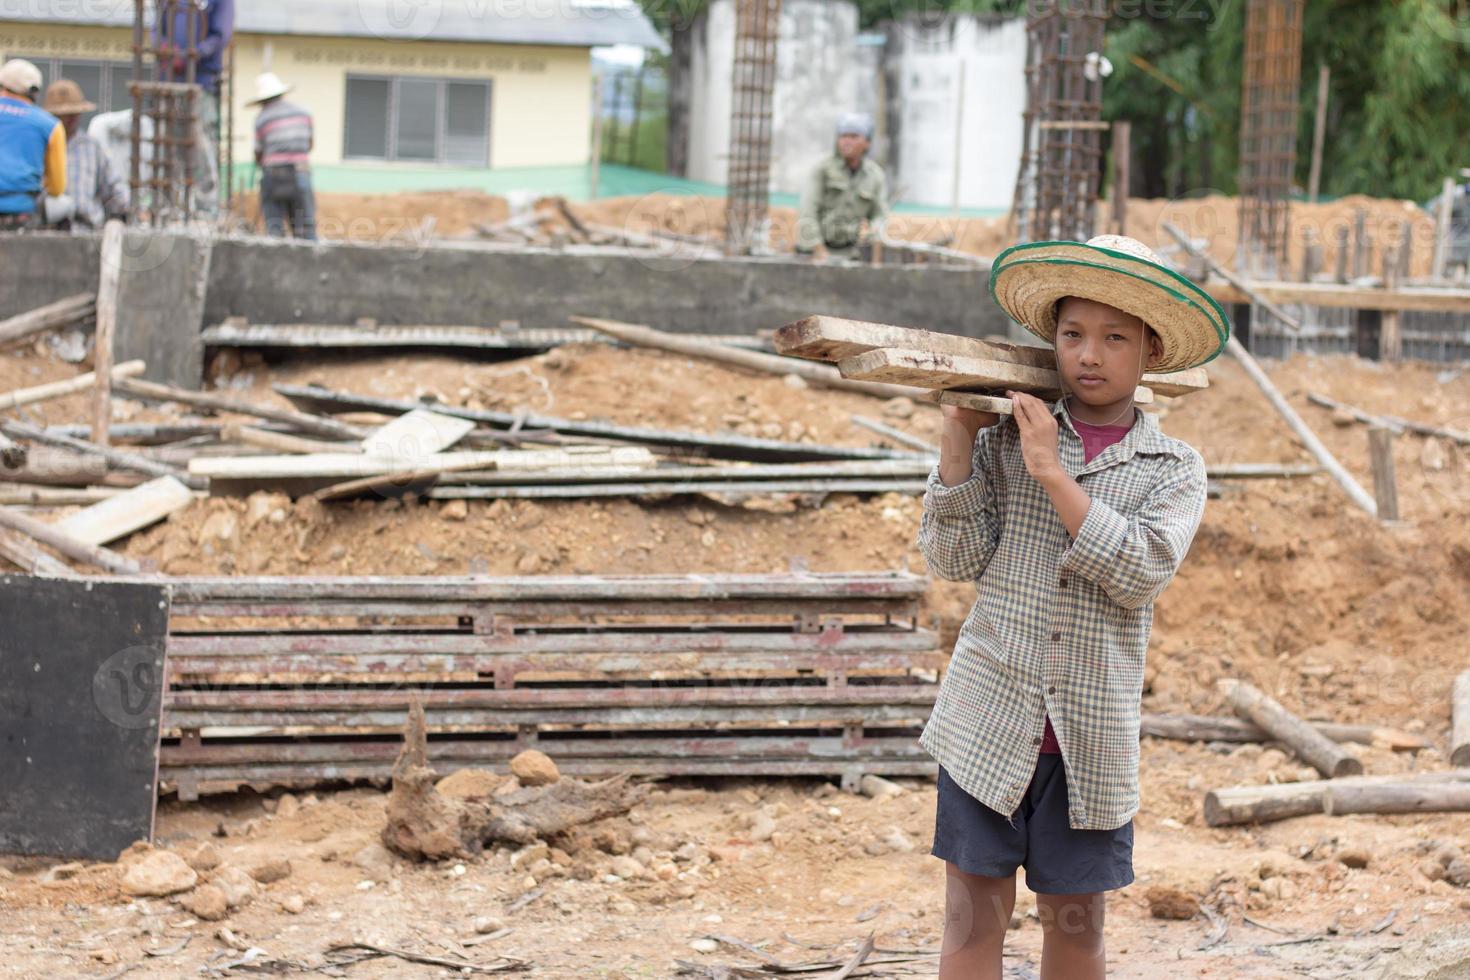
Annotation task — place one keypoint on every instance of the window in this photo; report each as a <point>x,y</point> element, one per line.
<point>430,120</point>
<point>103,82</point>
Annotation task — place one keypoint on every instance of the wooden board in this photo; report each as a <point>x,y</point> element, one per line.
<point>125,513</point>
<point>418,433</point>
<point>353,465</point>
<point>943,371</point>
<point>828,338</point>
<point>81,696</point>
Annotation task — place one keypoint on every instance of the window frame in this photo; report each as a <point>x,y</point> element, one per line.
<point>441,118</point>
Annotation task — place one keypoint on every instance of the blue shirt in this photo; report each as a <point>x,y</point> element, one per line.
<point>213,28</point>
<point>25,130</point>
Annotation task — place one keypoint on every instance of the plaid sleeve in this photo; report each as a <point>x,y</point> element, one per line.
<point>1134,558</point>
<point>960,528</point>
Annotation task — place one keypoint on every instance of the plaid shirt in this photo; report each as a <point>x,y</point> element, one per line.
<point>98,189</point>
<point>1060,626</point>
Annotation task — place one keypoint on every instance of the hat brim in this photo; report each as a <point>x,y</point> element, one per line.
<point>273,95</point>
<point>1027,281</point>
<point>70,108</point>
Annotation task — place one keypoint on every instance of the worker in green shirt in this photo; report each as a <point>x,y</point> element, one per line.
<point>845,192</point>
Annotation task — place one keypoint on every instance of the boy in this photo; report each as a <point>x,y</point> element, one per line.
<point>1070,519</point>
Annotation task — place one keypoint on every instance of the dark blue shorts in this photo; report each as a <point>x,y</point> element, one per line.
<point>1058,860</point>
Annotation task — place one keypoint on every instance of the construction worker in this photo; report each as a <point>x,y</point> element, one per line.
<point>214,27</point>
<point>32,147</point>
<point>283,141</point>
<point>845,191</point>
<point>96,190</point>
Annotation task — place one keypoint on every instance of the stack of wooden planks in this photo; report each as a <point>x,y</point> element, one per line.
<point>958,370</point>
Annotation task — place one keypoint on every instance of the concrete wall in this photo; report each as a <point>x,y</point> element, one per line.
<point>931,134</point>
<point>817,77</point>
<point>534,89</point>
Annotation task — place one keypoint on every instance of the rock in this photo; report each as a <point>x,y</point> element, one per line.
<point>642,854</point>
<point>704,945</point>
<point>1432,869</point>
<point>201,858</point>
<point>762,827</point>
<point>487,924</point>
<point>627,868</point>
<point>1167,902</point>
<point>454,510</point>
<point>287,806</point>
<point>206,902</point>
<point>237,886</point>
<point>879,788</point>
<point>1457,873</point>
<point>105,956</point>
<point>262,506</point>
<point>899,841</point>
<point>533,853</point>
<point>271,871</point>
<point>1269,759</point>
<point>376,860</point>
<point>1442,955</point>
<point>1355,857</point>
<point>795,381</point>
<point>158,873</point>
<point>898,408</point>
<point>610,841</point>
<point>534,768</point>
<point>134,851</point>
<point>1446,854</point>
<point>1274,863</point>
<point>63,872</point>
<point>466,784</point>
<point>686,852</point>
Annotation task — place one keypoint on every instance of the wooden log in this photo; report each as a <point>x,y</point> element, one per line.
<point>894,435</point>
<point>102,558</point>
<point>1385,487</point>
<point>830,338</point>
<point>60,389</point>
<point>1260,471</point>
<point>1303,431</point>
<point>1402,797</point>
<point>1390,337</point>
<point>23,553</point>
<point>1362,249</point>
<point>1460,727</point>
<point>1310,745</point>
<point>752,360</point>
<point>1390,421</point>
<point>1207,728</point>
<point>1122,152</point>
<point>358,465</point>
<point>398,481</point>
<point>1278,801</point>
<point>417,433</point>
<point>114,457</point>
<point>314,424</point>
<point>127,512</point>
<point>12,454</point>
<point>147,433</point>
<point>1319,133</point>
<point>108,286</point>
<point>23,495</point>
<point>281,442</point>
<point>57,314</point>
<point>1186,243</point>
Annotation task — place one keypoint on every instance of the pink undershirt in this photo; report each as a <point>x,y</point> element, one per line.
<point>1095,438</point>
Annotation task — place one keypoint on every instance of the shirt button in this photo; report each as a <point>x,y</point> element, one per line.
<point>1064,583</point>
<point>1056,637</point>
<point>1051,690</point>
<point>1037,741</point>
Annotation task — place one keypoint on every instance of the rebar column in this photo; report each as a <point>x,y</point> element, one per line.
<point>747,206</point>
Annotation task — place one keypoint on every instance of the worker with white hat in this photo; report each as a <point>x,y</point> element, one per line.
<point>283,142</point>
<point>32,146</point>
<point>846,197</point>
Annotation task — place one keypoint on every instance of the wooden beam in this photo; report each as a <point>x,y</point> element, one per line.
<point>1390,421</point>
<point>1303,431</point>
<point>1385,487</point>
<point>1403,797</point>
<point>102,558</point>
<point>28,495</point>
<point>23,553</point>
<point>127,512</point>
<point>1319,133</point>
<point>945,371</point>
<point>60,389</point>
<point>314,424</point>
<point>1278,801</point>
<point>751,360</point>
<point>1186,243</point>
<point>108,286</point>
<point>358,465</point>
<point>114,457</point>
<point>57,314</point>
<point>418,433</point>
<point>1460,726</point>
<point>718,488</point>
<point>1310,745</point>
<point>280,442</point>
<point>1429,299</point>
<point>993,404</point>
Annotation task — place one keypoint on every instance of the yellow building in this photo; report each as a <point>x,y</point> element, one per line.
<point>396,83</point>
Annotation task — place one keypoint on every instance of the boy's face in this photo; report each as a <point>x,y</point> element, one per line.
<point>1102,351</point>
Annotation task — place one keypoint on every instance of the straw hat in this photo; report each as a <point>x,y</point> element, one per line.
<point>19,75</point>
<point>268,85</point>
<point>1028,280</point>
<point>64,98</point>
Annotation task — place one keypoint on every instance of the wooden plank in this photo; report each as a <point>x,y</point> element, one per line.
<point>1278,801</point>
<point>1385,486</point>
<point>83,677</point>
<point>721,488</point>
<point>711,610</point>
<point>723,446</point>
<point>313,424</point>
<point>57,314</point>
<point>60,389</point>
<point>132,462</point>
<point>1460,721</point>
<point>356,466</point>
<point>108,286</point>
<point>1310,745</point>
<point>926,369</point>
<point>127,512</point>
<point>1428,299</point>
<point>417,433</point>
<point>102,558</point>
<point>327,336</point>
<point>1392,422</point>
<point>871,469</point>
<point>23,553</point>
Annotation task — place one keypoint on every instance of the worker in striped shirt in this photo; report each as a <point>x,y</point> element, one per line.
<point>283,141</point>
<point>96,191</point>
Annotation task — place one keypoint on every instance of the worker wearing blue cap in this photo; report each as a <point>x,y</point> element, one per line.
<point>846,198</point>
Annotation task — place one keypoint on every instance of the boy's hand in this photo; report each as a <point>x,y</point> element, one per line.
<point>957,442</point>
<point>1038,436</point>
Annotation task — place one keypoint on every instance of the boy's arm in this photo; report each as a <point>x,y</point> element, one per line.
<point>960,528</point>
<point>1133,558</point>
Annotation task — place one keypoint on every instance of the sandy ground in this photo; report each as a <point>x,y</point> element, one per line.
<point>1288,586</point>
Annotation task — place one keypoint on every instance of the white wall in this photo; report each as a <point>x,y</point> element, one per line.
<point>930,139</point>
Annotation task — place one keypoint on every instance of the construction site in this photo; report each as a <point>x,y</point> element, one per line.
<point>531,584</point>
